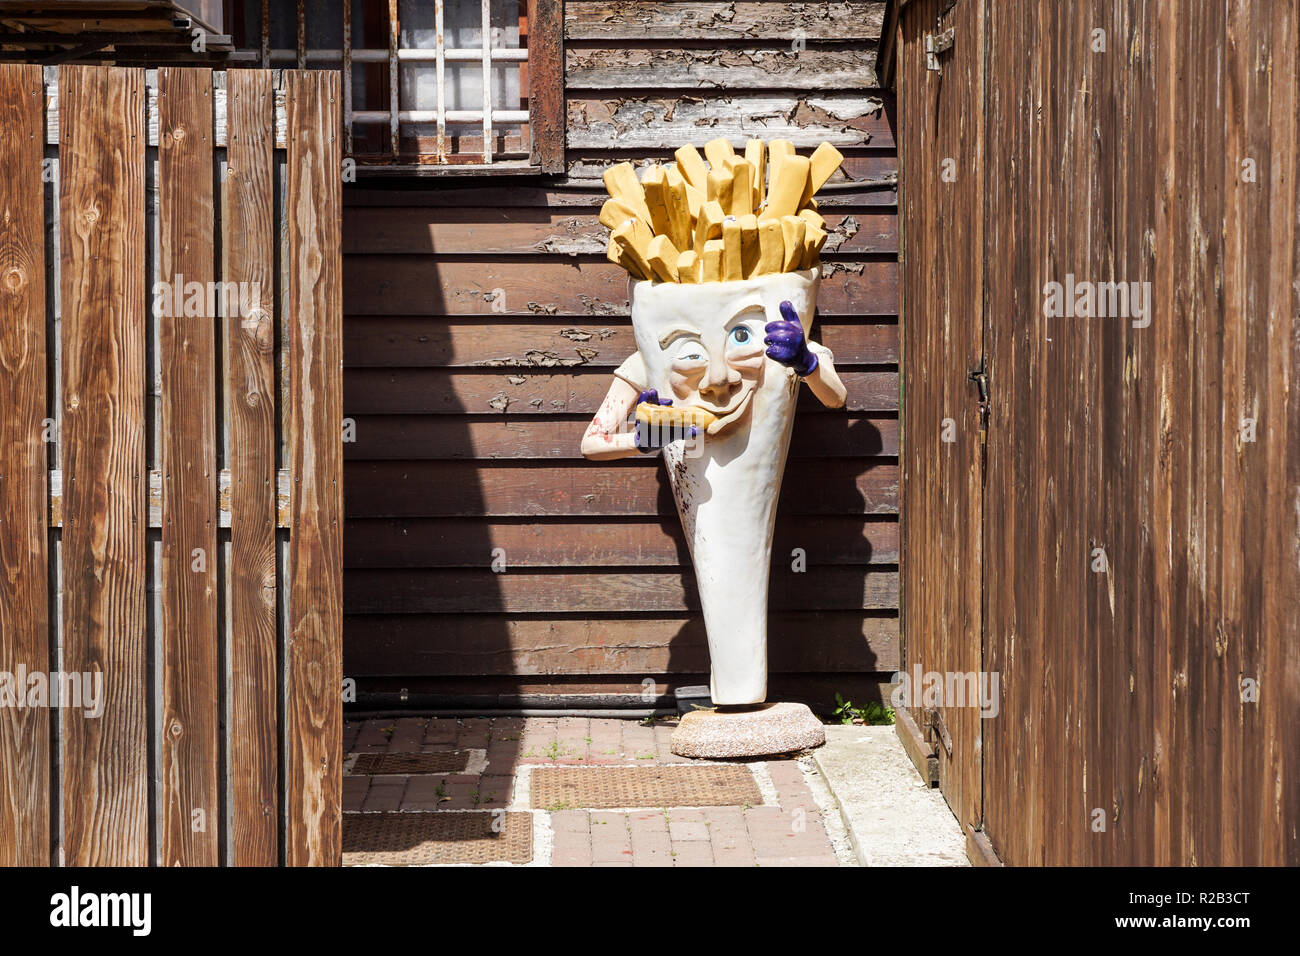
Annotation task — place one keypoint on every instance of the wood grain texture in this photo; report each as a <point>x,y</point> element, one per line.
<point>189,816</point>
<point>546,83</point>
<point>1127,688</point>
<point>941,460</point>
<point>525,392</point>
<point>313,772</point>
<point>807,119</point>
<point>525,645</point>
<point>561,285</point>
<point>24,602</point>
<point>399,489</point>
<point>638,21</point>
<point>248,226</point>
<point>566,543</point>
<point>435,591</point>
<point>513,437</point>
<point>779,66</point>
<point>101,198</point>
<point>545,343</point>
<point>509,230</point>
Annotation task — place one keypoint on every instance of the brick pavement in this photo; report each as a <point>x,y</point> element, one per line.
<point>788,829</point>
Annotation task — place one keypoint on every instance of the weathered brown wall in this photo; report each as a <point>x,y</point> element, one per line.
<point>482,324</point>
<point>1121,686</point>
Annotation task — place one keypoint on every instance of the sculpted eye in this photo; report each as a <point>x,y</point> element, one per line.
<point>740,335</point>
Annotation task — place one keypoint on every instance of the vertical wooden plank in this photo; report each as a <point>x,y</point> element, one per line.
<point>248,227</point>
<point>546,83</point>
<point>943,344</point>
<point>101,198</point>
<point>24,596</point>
<point>314,710</point>
<point>1280,405</point>
<point>189,815</point>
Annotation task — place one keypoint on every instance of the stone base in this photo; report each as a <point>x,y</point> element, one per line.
<point>763,730</point>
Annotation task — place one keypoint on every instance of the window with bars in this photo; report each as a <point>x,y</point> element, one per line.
<point>428,85</point>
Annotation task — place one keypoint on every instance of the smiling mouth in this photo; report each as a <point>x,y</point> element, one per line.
<point>726,416</point>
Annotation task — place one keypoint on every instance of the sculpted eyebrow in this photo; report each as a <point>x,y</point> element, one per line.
<point>675,332</point>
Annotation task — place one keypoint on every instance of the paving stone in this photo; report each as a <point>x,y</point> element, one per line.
<point>495,791</point>
<point>695,853</point>
<point>687,825</point>
<point>442,730</point>
<point>474,733</point>
<point>354,792</point>
<point>409,735</point>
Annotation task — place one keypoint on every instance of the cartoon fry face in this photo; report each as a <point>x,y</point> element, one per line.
<point>703,344</point>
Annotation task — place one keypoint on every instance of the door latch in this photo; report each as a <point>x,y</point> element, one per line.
<point>980,377</point>
<point>938,730</point>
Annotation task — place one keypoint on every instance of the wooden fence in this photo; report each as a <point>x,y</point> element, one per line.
<point>170,466</point>
<point>1115,532</point>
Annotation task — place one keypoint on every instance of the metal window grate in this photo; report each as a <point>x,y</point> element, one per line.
<point>376,103</point>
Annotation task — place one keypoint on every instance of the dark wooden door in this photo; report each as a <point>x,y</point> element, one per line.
<point>941,158</point>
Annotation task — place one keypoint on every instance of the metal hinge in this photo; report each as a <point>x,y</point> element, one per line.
<point>936,43</point>
<point>934,720</point>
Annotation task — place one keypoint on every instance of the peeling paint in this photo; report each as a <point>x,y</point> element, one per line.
<point>583,335</point>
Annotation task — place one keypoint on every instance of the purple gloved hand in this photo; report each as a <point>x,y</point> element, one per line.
<point>650,439</point>
<point>651,395</point>
<point>786,343</point>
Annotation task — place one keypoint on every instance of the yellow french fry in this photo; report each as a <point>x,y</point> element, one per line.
<point>667,416</point>
<point>681,229</point>
<point>618,254</point>
<point>812,217</point>
<point>814,239</point>
<point>695,200</point>
<point>777,151</point>
<point>721,182</point>
<point>749,248</point>
<point>615,212</point>
<point>771,245</point>
<point>822,165</point>
<point>655,185</point>
<point>711,261</point>
<point>622,184</point>
<point>688,266</point>
<point>663,258</point>
<point>708,225</point>
<point>742,187</point>
<point>793,230</point>
<point>692,167</point>
<point>732,260</point>
<point>635,245</point>
<point>717,152</point>
<point>787,189</point>
<point>757,158</point>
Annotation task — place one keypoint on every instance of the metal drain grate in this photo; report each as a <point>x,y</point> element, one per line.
<point>437,836</point>
<point>369,764</point>
<point>604,788</point>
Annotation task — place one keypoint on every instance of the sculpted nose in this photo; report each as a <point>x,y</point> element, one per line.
<point>719,383</point>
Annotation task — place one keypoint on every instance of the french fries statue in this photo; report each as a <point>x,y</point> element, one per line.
<point>723,253</point>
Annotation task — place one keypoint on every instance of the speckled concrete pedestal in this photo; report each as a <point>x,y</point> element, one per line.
<point>760,731</point>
